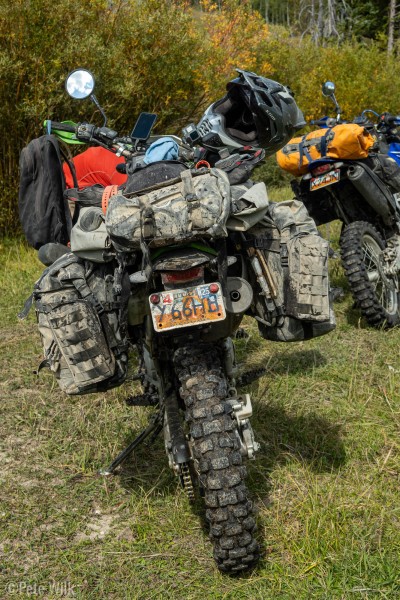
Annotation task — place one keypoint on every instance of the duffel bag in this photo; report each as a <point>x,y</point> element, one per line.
<point>347,142</point>
<point>192,206</point>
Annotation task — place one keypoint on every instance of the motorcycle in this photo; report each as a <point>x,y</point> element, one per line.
<point>368,207</point>
<point>388,134</point>
<point>181,315</point>
<point>152,267</point>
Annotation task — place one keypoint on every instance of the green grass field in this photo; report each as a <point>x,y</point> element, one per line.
<point>325,482</point>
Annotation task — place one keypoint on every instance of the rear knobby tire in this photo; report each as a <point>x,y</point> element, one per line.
<point>360,245</point>
<point>217,458</point>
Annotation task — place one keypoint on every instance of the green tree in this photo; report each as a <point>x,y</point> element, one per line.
<point>144,55</point>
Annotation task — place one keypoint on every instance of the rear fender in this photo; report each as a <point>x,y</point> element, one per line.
<point>181,260</point>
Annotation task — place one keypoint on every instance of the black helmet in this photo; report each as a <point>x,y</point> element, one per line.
<point>256,111</point>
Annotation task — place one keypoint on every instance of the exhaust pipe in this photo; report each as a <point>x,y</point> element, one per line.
<point>365,182</point>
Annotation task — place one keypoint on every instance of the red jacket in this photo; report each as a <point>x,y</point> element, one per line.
<point>95,165</point>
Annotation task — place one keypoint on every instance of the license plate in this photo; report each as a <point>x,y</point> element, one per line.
<point>186,307</point>
<point>325,179</point>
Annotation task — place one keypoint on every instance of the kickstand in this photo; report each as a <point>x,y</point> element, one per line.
<point>154,427</point>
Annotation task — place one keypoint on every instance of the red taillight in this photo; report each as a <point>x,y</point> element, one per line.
<point>154,298</point>
<point>182,276</point>
<point>322,169</point>
<point>214,287</point>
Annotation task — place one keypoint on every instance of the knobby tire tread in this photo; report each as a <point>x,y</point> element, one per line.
<point>217,457</point>
<point>361,288</point>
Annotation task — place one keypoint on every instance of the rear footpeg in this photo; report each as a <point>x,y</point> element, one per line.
<point>142,400</point>
<point>250,376</point>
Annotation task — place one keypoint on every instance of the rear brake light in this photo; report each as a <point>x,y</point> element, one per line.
<point>322,169</point>
<point>182,276</point>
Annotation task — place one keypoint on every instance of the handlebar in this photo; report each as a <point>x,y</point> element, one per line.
<point>60,126</point>
<point>383,119</point>
<point>388,119</point>
<point>85,132</point>
<point>326,122</point>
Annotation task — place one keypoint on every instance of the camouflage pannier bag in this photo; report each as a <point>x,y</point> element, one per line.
<point>81,323</point>
<point>290,272</point>
<point>194,205</point>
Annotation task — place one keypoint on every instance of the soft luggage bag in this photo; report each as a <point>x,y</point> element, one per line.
<point>81,323</point>
<point>89,237</point>
<point>43,211</point>
<point>293,259</point>
<point>194,205</point>
<point>347,142</point>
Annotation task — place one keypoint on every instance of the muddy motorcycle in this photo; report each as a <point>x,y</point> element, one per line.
<point>169,264</point>
<point>179,304</point>
<point>360,195</point>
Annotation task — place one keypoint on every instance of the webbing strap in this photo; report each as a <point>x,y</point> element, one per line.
<point>324,142</point>
<point>303,152</point>
<point>321,141</point>
<point>189,192</point>
<point>110,190</point>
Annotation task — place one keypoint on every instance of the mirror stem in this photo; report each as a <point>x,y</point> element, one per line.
<point>337,107</point>
<point>96,102</point>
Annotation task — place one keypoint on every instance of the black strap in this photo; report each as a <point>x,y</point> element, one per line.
<point>263,242</point>
<point>324,142</point>
<point>71,167</point>
<point>222,263</point>
<point>303,151</point>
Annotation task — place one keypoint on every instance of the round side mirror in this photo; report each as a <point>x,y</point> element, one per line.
<point>328,88</point>
<point>79,84</point>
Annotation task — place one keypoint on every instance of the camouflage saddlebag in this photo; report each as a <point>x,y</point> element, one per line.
<point>192,206</point>
<point>81,323</point>
<point>290,272</point>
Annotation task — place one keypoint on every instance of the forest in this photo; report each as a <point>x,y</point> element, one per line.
<point>174,57</point>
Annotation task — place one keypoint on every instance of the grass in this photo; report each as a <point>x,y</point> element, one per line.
<point>325,482</point>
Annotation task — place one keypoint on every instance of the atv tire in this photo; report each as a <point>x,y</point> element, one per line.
<point>373,292</point>
<point>217,459</point>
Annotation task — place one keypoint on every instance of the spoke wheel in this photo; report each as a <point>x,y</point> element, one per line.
<point>376,295</point>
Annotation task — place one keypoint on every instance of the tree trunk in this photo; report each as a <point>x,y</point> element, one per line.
<point>331,19</point>
<point>319,29</point>
<point>392,17</point>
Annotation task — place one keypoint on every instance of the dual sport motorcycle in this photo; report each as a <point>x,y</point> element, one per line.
<point>362,193</point>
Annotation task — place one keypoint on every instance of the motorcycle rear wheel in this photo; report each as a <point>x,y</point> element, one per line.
<point>375,294</point>
<point>217,459</point>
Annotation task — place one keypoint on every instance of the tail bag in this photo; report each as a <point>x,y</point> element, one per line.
<point>193,206</point>
<point>347,142</point>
